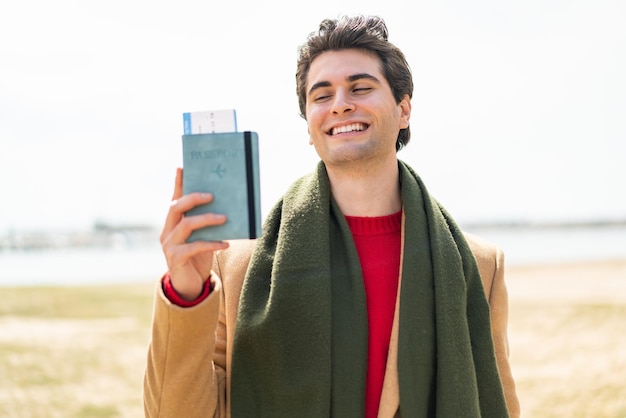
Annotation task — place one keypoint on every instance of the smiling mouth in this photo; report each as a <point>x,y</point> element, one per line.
<point>353,127</point>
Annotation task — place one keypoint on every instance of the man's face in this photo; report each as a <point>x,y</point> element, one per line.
<point>351,112</point>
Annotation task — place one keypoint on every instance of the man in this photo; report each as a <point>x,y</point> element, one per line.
<point>362,298</point>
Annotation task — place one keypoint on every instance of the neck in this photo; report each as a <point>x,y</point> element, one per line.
<point>366,191</point>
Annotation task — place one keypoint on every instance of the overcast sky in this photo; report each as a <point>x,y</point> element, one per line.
<point>518,111</point>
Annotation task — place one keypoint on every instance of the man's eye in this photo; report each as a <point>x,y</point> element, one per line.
<point>362,89</point>
<point>322,97</point>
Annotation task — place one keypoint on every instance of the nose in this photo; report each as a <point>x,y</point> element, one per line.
<point>341,103</point>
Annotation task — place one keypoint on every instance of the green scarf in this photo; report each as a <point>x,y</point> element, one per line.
<point>300,347</point>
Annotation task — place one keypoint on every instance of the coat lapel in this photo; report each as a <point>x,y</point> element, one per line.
<point>390,398</point>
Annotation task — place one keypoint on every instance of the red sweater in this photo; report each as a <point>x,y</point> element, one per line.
<point>377,241</point>
<point>378,244</point>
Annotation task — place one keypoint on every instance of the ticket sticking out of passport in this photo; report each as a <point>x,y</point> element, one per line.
<point>210,122</point>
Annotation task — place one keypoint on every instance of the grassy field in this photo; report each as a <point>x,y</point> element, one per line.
<point>73,351</point>
<point>80,351</point>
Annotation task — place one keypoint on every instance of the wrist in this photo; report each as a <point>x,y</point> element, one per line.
<point>185,298</point>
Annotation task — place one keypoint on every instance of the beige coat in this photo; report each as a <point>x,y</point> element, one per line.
<point>189,358</point>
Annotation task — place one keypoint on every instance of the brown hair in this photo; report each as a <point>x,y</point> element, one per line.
<point>357,32</point>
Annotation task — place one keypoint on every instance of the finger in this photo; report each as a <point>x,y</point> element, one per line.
<point>179,256</point>
<point>185,259</point>
<point>187,224</point>
<point>173,217</point>
<point>178,184</point>
<point>181,204</point>
<point>190,201</point>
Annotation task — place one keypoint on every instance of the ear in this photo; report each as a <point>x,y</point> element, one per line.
<point>308,131</point>
<point>405,111</point>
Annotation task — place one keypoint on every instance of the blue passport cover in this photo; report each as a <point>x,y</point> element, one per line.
<point>226,165</point>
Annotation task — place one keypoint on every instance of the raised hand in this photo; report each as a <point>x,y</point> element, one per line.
<point>189,264</point>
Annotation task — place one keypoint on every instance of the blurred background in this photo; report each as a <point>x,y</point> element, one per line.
<point>517,124</point>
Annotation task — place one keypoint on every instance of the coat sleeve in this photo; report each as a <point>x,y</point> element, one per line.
<point>490,261</point>
<point>185,375</point>
<point>499,309</point>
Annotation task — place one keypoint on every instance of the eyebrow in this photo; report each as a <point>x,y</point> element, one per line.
<point>351,78</point>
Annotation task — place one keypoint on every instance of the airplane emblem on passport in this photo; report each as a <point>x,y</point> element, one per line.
<point>219,170</point>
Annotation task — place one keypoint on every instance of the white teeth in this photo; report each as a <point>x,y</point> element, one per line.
<point>348,128</point>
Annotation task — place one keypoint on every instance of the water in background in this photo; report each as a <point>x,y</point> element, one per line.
<point>532,245</point>
<point>81,266</point>
<point>136,263</point>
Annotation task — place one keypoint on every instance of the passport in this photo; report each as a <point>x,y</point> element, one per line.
<point>225,164</point>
